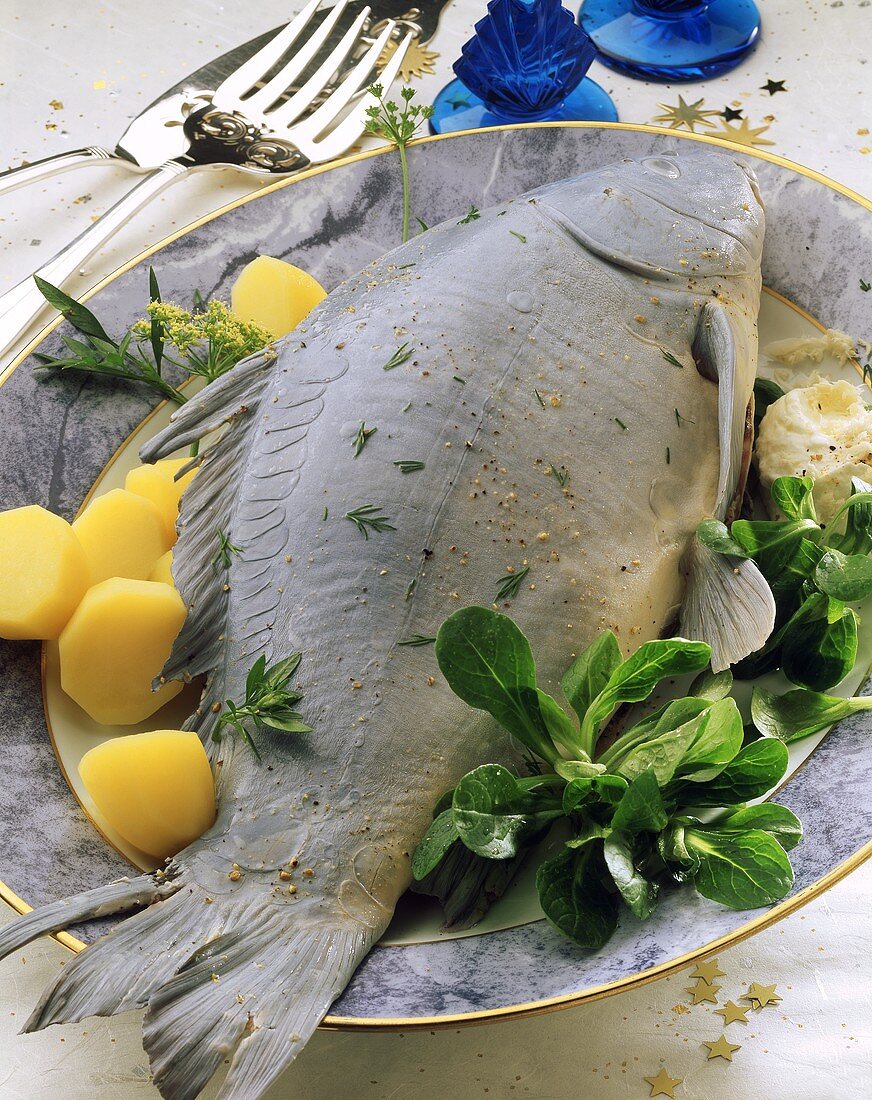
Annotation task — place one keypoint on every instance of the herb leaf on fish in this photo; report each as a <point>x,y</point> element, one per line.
<point>269,701</point>
<point>670,358</point>
<point>471,216</point>
<point>418,640</point>
<point>398,124</point>
<point>520,236</point>
<point>408,465</point>
<point>560,473</point>
<point>510,585</point>
<point>362,437</point>
<point>401,355</point>
<point>225,552</point>
<point>368,517</point>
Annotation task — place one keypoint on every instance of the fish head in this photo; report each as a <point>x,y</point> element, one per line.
<point>666,214</point>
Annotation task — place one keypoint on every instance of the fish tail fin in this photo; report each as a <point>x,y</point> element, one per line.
<point>116,897</point>
<point>216,971</point>
<point>262,991</point>
<point>209,505</point>
<point>727,603</point>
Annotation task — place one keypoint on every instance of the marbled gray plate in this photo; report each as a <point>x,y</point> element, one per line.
<point>57,434</point>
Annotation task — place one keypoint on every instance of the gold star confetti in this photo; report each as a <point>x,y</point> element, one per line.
<point>417,62</point>
<point>663,1084</point>
<point>743,134</point>
<point>708,971</point>
<point>721,1049</point>
<point>55,104</point>
<point>685,114</point>
<point>703,991</point>
<point>761,996</point>
<point>733,1013</point>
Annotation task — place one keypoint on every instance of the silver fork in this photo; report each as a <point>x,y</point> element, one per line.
<point>246,125</point>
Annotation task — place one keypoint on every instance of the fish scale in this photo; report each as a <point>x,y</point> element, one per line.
<point>570,291</point>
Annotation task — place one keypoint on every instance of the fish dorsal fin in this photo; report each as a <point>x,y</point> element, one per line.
<point>727,602</point>
<point>209,504</point>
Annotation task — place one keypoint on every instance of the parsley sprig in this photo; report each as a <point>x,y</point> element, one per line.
<point>398,124</point>
<point>269,701</point>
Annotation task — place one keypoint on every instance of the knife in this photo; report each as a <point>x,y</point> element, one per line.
<point>156,134</point>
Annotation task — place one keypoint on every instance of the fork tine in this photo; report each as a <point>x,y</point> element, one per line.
<point>336,102</point>
<point>339,140</point>
<point>256,106</point>
<point>229,93</point>
<point>304,96</point>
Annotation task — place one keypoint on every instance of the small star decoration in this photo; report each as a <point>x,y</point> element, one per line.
<point>761,996</point>
<point>721,1049</point>
<point>704,991</point>
<point>733,1013</point>
<point>685,114</point>
<point>729,114</point>
<point>743,134</point>
<point>418,62</point>
<point>663,1084</point>
<point>773,86</point>
<point>708,971</point>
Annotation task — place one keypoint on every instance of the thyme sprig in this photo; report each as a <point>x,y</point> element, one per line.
<point>510,585</point>
<point>398,124</point>
<point>401,355</point>
<point>269,701</point>
<point>369,517</point>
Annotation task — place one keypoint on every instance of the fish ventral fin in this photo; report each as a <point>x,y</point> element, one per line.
<point>727,602</point>
<point>208,507</point>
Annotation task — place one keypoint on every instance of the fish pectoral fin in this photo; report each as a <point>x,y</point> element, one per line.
<point>720,353</point>
<point>727,604</point>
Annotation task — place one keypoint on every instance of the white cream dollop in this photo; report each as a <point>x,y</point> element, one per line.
<point>823,431</point>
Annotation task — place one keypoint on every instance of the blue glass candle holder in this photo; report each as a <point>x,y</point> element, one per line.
<point>672,40</point>
<point>526,63</point>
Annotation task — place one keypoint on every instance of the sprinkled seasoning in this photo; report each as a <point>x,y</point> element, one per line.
<point>539,398</point>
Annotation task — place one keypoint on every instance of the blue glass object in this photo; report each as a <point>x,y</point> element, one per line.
<point>671,40</point>
<point>525,63</point>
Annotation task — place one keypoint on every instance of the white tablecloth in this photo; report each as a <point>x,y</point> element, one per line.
<point>73,74</point>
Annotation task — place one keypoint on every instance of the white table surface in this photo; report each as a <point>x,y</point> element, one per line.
<point>73,74</point>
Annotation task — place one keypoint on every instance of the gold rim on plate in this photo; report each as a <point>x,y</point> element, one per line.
<point>593,993</point>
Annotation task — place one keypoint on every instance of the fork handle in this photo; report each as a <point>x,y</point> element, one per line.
<point>23,303</point>
<point>44,169</point>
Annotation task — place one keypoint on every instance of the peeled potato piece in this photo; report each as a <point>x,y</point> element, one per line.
<point>43,573</point>
<point>274,294</point>
<point>117,641</point>
<point>155,789</point>
<point>123,534</point>
<point>157,484</point>
<point>163,569</point>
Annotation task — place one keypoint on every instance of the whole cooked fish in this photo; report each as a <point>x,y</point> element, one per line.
<point>604,325</point>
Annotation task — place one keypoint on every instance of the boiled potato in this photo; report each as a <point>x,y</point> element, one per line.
<point>274,294</point>
<point>43,573</point>
<point>116,642</point>
<point>123,534</point>
<point>157,484</point>
<point>163,570</point>
<point>155,789</point>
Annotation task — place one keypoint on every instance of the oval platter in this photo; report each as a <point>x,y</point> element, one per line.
<point>58,435</point>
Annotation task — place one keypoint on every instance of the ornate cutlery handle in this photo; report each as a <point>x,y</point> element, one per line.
<point>62,162</point>
<point>23,303</point>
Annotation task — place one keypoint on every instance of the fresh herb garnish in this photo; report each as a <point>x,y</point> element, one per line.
<point>368,517</point>
<point>408,465</point>
<point>621,424</point>
<point>679,419</point>
<point>457,378</point>
<point>226,550</point>
<point>418,640</point>
<point>403,353</point>
<point>268,702</point>
<point>472,215</point>
<point>561,473</point>
<point>670,358</point>
<point>207,342</point>
<point>410,590</point>
<point>630,811</point>
<point>422,224</point>
<point>398,124</point>
<point>520,236</point>
<point>539,398</point>
<point>326,513</point>
<point>363,434</point>
<point>402,267</point>
<point>865,285</point>
<point>667,456</point>
<point>510,585</point>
